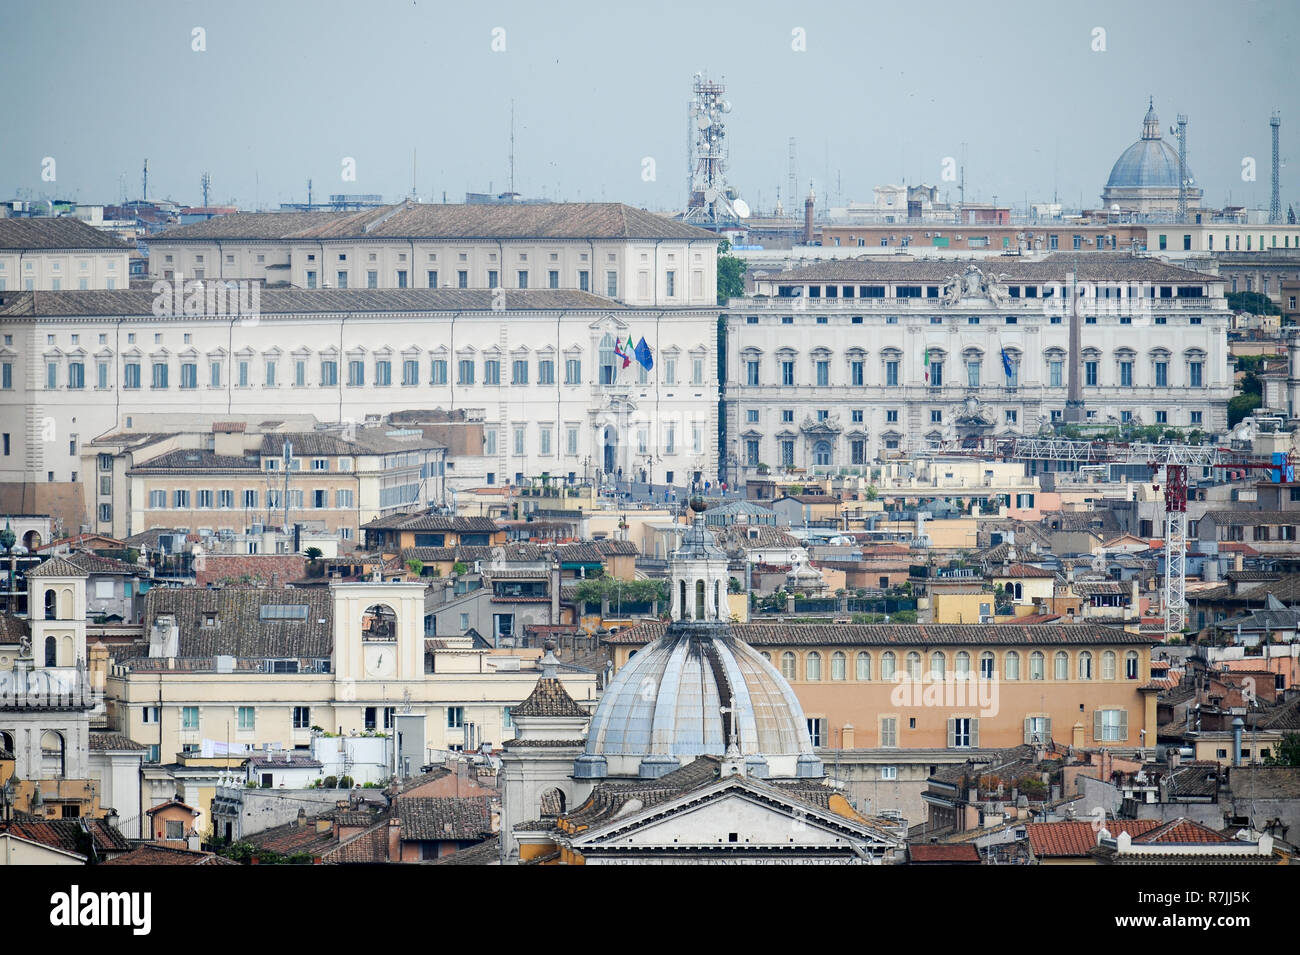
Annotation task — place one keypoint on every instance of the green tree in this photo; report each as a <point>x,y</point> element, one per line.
<point>415,566</point>
<point>731,274</point>
<point>1288,751</point>
<point>1254,302</point>
<point>313,554</point>
<point>1240,406</point>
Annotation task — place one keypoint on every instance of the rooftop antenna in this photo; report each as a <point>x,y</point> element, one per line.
<point>144,185</point>
<point>793,189</point>
<point>309,194</point>
<point>414,153</point>
<point>512,148</point>
<point>1180,133</point>
<point>205,181</point>
<point>1275,200</point>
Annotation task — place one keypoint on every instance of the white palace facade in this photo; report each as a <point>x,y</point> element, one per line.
<point>841,364</point>
<point>539,364</point>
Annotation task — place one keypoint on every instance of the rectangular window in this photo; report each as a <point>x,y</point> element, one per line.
<point>963,732</point>
<point>519,372</point>
<point>571,440</point>
<point>787,373</point>
<point>856,377</point>
<point>438,372</point>
<point>1126,374</point>
<point>670,279</point>
<point>546,372</point>
<point>611,284</point>
<point>823,373</point>
<point>225,499</point>
<point>522,278</point>
<point>410,372</point>
<point>189,717</point>
<point>356,373</point>
<point>204,498</point>
<point>889,731</point>
<point>302,717</point>
<point>401,278</point>
<point>519,440</point>
<point>1194,371</point>
<point>250,499</point>
<point>584,282</point>
<point>1110,726</point>
<point>329,374</point>
<point>891,374</point>
<point>343,497</point>
<point>1090,373</point>
<point>462,279</point>
<point>159,379</point>
<point>751,372</point>
<point>492,372</point>
<point>372,279</point>
<point>544,441</point>
<point>157,499</point>
<point>432,276</point>
<point>342,279</point>
<point>247,718</point>
<point>972,374</point>
<point>573,371</point>
<point>455,717</point>
<point>383,373</point>
<point>1162,374</point>
<point>936,374</point>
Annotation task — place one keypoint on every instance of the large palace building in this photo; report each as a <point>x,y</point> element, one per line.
<point>840,364</point>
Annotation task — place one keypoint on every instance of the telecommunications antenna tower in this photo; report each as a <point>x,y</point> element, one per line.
<point>711,201</point>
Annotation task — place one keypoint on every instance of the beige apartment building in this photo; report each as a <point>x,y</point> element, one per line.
<point>262,667</point>
<point>60,254</point>
<point>238,480</point>
<point>607,248</point>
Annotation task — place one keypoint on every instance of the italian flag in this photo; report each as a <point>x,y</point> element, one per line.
<point>925,360</point>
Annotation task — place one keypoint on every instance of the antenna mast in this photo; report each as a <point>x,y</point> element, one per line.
<point>512,148</point>
<point>1180,133</point>
<point>793,190</point>
<point>144,185</point>
<point>1275,201</point>
<point>205,181</point>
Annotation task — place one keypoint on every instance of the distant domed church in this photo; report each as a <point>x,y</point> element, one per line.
<point>697,753</point>
<point>1144,180</point>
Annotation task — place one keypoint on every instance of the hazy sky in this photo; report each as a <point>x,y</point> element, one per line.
<point>883,92</point>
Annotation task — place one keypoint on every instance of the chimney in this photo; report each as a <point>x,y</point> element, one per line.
<point>809,205</point>
<point>1237,726</point>
<point>394,840</point>
<point>302,818</point>
<point>1173,757</point>
<point>275,580</point>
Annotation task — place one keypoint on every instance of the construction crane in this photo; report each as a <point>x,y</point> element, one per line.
<point>1173,459</point>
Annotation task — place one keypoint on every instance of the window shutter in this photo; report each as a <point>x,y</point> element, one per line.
<point>952,732</point>
<point>974,732</point>
<point>1096,724</point>
<point>1123,725</point>
<point>1047,730</point>
<point>1028,730</point>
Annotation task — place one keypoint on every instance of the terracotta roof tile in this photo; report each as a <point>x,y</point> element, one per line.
<point>943,853</point>
<point>549,698</point>
<point>901,634</point>
<point>1066,839</point>
<point>167,855</point>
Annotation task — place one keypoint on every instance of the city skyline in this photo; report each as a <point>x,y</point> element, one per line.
<point>1080,104</point>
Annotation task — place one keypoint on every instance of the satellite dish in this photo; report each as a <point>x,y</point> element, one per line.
<point>710,194</point>
<point>702,121</point>
<point>742,208</point>
<point>726,106</point>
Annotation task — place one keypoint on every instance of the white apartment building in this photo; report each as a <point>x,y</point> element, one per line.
<point>836,365</point>
<point>60,254</point>
<point>610,249</point>
<point>540,364</point>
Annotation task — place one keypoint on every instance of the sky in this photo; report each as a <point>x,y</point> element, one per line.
<point>1035,99</point>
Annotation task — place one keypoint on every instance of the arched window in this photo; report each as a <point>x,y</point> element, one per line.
<point>822,454</point>
<point>766,656</point>
<point>839,666</point>
<point>787,665</point>
<point>914,665</point>
<point>1036,665</point>
<point>813,666</point>
<point>987,665</point>
<point>1085,665</point>
<point>51,652</point>
<point>607,367</point>
<point>1131,665</point>
<point>684,609</point>
<point>1108,665</point>
<point>1011,664</point>
<point>379,622</point>
<point>51,610</point>
<point>699,600</point>
<point>963,665</point>
<point>864,666</point>
<point>937,664</point>
<point>1061,667</point>
<point>887,665</point>
<point>52,755</point>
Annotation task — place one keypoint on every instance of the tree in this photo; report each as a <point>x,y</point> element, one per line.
<point>415,566</point>
<point>1254,302</point>
<point>1288,752</point>
<point>1240,406</point>
<point>731,274</point>
<point>313,554</point>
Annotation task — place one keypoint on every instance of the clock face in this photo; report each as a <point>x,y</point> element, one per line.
<point>380,662</point>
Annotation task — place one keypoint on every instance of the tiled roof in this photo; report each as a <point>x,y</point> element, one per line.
<point>260,569</point>
<point>169,804</point>
<point>552,220</point>
<point>468,553</point>
<point>167,855</point>
<point>55,234</point>
<point>1180,832</point>
<point>67,834</point>
<point>56,566</point>
<point>443,818</point>
<point>94,564</point>
<point>432,522</point>
<point>487,852</point>
<point>1066,839</point>
<point>549,698</point>
<point>1265,782</point>
<point>308,302</point>
<point>900,634</point>
<point>285,760</point>
<point>1284,716</point>
<point>322,444</point>
<point>369,846</point>
<point>943,853</point>
<point>1021,570</point>
<point>1090,588</point>
<point>292,839</point>
<point>1093,267</point>
<point>1251,518</point>
<point>114,742</point>
<point>198,459</point>
<point>12,629</point>
<point>239,630</point>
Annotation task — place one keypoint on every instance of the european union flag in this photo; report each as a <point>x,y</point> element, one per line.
<point>1006,364</point>
<point>643,355</point>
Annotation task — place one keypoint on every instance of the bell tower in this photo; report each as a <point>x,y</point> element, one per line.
<point>56,601</point>
<point>698,572</point>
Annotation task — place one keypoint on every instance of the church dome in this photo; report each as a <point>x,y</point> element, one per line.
<point>1150,163</point>
<point>674,701</point>
<point>698,690</point>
